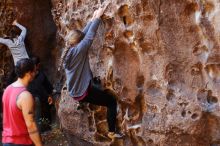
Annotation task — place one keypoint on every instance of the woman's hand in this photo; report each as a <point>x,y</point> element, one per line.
<point>14,22</point>
<point>98,13</point>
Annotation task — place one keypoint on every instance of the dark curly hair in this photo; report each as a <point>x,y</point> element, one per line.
<point>24,66</point>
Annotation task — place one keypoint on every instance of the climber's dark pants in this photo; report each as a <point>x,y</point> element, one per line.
<point>99,97</point>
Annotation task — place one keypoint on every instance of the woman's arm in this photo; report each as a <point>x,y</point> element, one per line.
<point>23,30</point>
<point>4,41</point>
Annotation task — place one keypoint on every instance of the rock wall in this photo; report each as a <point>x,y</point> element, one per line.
<point>161,59</point>
<point>36,16</point>
<point>6,61</point>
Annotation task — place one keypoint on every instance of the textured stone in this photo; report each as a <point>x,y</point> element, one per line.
<point>161,59</point>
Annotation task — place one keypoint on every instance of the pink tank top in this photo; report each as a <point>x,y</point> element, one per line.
<point>14,127</point>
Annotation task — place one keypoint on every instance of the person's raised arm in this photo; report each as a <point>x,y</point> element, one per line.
<point>4,41</point>
<point>26,103</point>
<point>90,35</point>
<point>95,15</point>
<point>23,30</point>
<point>85,30</point>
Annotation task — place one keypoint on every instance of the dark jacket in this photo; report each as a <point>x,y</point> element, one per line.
<point>40,86</point>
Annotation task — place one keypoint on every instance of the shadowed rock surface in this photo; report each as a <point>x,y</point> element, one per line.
<point>41,32</point>
<point>162,60</point>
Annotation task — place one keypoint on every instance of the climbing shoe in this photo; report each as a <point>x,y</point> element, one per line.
<point>113,135</point>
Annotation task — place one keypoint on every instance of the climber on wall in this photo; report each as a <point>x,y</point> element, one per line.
<point>79,76</point>
<point>15,43</point>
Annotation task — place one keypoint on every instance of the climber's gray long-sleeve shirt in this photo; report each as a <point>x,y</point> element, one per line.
<point>76,62</point>
<point>17,46</point>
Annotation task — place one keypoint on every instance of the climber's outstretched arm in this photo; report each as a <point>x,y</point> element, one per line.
<point>4,41</point>
<point>23,30</point>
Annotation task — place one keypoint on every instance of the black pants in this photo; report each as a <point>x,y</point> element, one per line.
<point>99,97</point>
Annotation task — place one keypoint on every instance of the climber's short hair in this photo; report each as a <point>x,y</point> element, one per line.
<point>74,37</point>
<point>14,32</point>
<point>24,66</point>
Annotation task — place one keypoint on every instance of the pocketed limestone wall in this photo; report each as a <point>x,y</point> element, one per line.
<point>161,59</point>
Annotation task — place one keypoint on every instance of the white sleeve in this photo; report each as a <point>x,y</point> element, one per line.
<point>23,32</point>
<point>5,41</point>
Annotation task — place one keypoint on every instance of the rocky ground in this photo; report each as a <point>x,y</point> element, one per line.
<point>55,137</point>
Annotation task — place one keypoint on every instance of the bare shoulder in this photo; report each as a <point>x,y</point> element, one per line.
<point>25,94</point>
<point>26,97</point>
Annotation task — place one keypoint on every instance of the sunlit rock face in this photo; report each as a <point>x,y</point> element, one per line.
<point>40,41</point>
<point>161,59</point>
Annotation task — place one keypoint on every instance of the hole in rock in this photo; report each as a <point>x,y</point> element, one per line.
<point>118,82</point>
<point>124,92</point>
<point>123,11</point>
<point>194,116</point>
<point>212,99</point>
<point>194,28</point>
<point>139,108</point>
<point>213,71</point>
<point>183,113</point>
<point>183,104</point>
<point>149,17</point>
<point>198,50</point>
<point>150,141</point>
<point>128,34</point>
<point>170,95</point>
<point>127,20</point>
<point>191,8</point>
<point>140,81</point>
